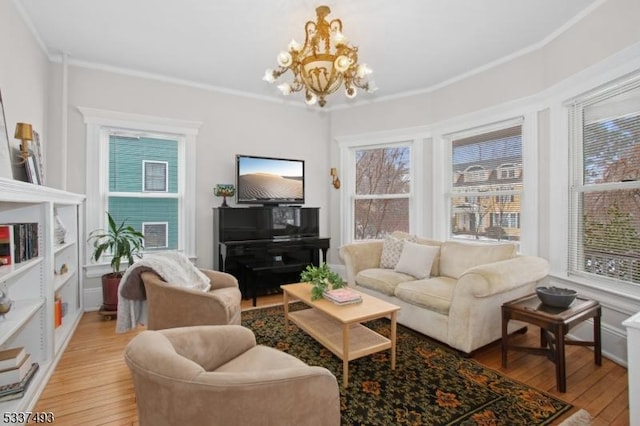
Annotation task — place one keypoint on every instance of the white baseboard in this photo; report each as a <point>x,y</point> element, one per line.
<point>614,339</point>
<point>92,299</point>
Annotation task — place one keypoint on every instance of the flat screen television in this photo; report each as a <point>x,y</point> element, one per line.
<point>267,180</point>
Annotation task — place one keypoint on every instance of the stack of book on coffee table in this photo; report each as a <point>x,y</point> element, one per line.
<point>16,372</point>
<point>342,296</point>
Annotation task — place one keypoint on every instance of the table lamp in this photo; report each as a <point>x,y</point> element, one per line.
<point>24,132</point>
<point>224,190</point>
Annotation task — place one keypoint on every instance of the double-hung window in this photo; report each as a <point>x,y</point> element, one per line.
<point>380,203</point>
<point>604,215</point>
<point>143,172</point>
<point>486,182</point>
<point>141,169</point>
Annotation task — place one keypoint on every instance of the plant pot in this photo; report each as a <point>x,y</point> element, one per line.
<point>110,283</point>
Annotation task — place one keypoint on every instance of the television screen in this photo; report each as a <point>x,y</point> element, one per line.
<point>265,180</point>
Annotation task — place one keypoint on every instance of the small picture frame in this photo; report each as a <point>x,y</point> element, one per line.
<point>39,157</point>
<point>32,169</point>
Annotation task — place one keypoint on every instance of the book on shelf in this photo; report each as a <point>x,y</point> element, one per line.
<point>343,296</point>
<point>24,245</point>
<point>20,242</point>
<point>7,245</point>
<point>17,390</point>
<point>32,240</point>
<point>57,312</point>
<point>16,374</point>
<point>12,357</point>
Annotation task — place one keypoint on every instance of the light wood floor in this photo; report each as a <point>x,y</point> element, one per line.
<point>92,386</point>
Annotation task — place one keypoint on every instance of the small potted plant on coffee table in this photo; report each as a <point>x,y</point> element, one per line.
<point>322,279</point>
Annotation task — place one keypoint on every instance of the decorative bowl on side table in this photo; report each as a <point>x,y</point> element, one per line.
<point>556,297</point>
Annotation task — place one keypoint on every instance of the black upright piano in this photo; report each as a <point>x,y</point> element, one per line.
<point>264,247</point>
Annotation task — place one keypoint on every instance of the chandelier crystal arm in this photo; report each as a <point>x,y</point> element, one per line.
<point>324,63</point>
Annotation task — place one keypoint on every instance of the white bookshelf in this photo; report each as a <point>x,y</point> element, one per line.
<point>33,285</point>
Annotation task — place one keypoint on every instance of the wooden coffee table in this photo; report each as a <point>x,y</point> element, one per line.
<point>339,327</point>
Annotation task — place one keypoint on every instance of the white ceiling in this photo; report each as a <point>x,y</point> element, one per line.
<point>412,45</point>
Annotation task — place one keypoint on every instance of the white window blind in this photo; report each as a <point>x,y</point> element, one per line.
<point>604,211</point>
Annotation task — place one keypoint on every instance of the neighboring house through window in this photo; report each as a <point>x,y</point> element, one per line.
<point>143,174</point>
<point>487,184</point>
<point>604,212</point>
<point>141,170</point>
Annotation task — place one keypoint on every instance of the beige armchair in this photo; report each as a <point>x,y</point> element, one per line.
<point>170,306</point>
<point>217,375</point>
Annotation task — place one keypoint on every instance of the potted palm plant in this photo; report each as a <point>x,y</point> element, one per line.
<point>122,242</point>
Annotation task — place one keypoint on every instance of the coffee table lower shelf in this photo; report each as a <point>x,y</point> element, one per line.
<point>356,342</point>
<point>341,328</point>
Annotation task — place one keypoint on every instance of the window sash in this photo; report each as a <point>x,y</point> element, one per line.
<point>144,211</point>
<point>486,166</point>
<point>604,237</point>
<point>391,167</point>
<point>99,123</point>
<point>381,216</point>
<point>377,211</point>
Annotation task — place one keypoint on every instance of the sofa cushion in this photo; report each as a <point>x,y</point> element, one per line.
<point>391,250</point>
<point>435,268</point>
<point>434,294</point>
<point>383,280</point>
<point>457,257</point>
<point>416,259</point>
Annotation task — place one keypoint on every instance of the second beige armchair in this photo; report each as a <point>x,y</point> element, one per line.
<point>218,375</point>
<point>170,306</point>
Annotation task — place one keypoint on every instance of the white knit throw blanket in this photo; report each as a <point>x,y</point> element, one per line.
<point>174,268</point>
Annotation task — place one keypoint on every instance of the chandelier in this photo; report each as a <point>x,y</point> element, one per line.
<point>324,62</point>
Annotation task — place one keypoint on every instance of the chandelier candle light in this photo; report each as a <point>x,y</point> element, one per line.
<point>324,62</point>
<point>224,190</point>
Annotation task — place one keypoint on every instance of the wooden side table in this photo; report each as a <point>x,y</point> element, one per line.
<point>554,324</point>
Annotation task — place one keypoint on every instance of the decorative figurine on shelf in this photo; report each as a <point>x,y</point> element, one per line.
<point>60,232</point>
<point>5,302</point>
<point>224,190</point>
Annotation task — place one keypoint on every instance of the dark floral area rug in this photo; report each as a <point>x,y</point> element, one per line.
<point>431,385</point>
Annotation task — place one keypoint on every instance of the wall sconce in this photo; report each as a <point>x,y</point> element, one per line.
<point>24,132</point>
<point>336,179</point>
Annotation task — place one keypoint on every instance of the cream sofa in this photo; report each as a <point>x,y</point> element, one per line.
<point>459,302</point>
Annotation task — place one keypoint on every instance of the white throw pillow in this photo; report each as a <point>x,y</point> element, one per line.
<point>391,250</point>
<point>416,259</point>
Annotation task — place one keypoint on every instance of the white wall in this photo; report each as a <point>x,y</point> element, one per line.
<point>230,125</point>
<point>608,29</point>
<point>603,44</point>
<point>23,78</point>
